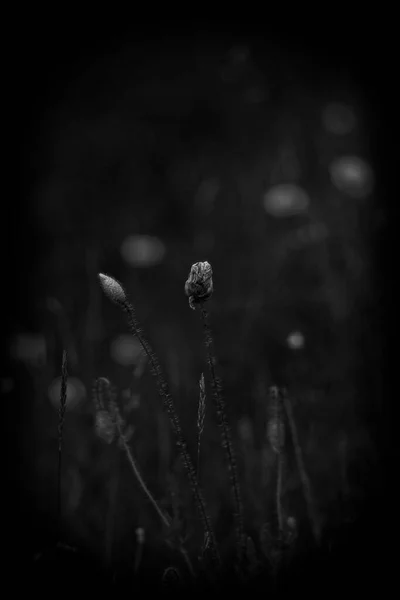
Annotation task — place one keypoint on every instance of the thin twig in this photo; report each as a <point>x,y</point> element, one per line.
<point>140,479</point>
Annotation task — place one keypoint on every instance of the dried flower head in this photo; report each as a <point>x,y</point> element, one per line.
<point>112,289</point>
<point>199,285</point>
<point>105,426</point>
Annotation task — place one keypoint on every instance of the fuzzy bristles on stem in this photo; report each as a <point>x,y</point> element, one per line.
<point>201,413</point>
<point>199,288</point>
<point>115,292</point>
<point>226,438</point>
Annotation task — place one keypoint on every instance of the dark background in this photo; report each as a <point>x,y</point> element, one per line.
<point>116,134</point>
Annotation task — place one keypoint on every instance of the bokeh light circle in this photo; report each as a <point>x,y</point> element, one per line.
<point>142,250</point>
<point>352,175</point>
<point>76,392</point>
<point>338,118</point>
<point>286,199</point>
<point>295,340</point>
<point>125,350</point>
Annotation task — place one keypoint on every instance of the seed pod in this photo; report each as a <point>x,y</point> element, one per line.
<point>199,285</point>
<point>112,289</point>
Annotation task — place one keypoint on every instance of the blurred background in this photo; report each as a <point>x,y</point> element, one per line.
<point>143,157</point>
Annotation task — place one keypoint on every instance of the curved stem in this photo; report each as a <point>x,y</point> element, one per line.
<point>142,484</point>
<point>164,519</point>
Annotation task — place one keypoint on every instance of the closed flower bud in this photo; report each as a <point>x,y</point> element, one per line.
<point>199,285</point>
<point>112,289</point>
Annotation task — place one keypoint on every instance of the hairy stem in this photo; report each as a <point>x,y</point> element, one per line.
<point>164,392</point>
<point>225,436</point>
<point>200,420</point>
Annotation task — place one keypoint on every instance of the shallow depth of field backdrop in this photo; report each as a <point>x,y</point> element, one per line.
<point>148,162</point>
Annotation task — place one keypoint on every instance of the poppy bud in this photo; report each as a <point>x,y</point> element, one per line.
<point>199,285</point>
<point>112,289</point>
